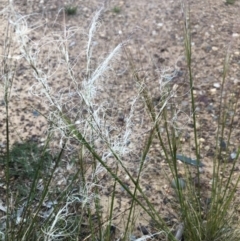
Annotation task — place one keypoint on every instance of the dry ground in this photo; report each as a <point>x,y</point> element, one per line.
<point>153,30</point>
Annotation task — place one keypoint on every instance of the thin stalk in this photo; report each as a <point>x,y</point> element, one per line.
<point>8,81</point>
<point>217,181</point>
<point>188,50</point>
<point>144,155</point>
<point>97,203</point>
<point>45,191</point>
<point>26,212</point>
<point>108,231</point>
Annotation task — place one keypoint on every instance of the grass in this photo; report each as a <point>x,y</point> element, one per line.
<point>71,10</point>
<point>93,147</point>
<point>116,9</point>
<point>25,158</point>
<point>230,1</point>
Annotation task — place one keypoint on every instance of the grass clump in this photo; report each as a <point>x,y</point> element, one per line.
<point>93,150</point>
<point>230,2</point>
<point>26,158</point>
<point>71,10</point>
<point>116,9</point>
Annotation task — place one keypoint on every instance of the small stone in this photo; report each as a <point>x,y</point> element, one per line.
<point>216,85</point>
<point>182,140</point>
<point>160,25</point>
<point>237,53</point>
<point>103,35</point>
<point>133,238</point>
<point>143,229</point>
<point>181,183</point>
<point>235,35</point>
<point>127,177</point>
<point>197,109</point>
<point>207,148</point>
<point>210,107</point>
<point>2,145</point>
<point>231,113</point>
<point>121,3</point>
<point>154,33</point>
<point>184,103</point>
<point>236,81</point>
<point>198,125</point>
<point>72,44</point>
<point>213,91</point>
<point>223,144</point>
<point>52,7</point>
<point>35,113</point>
<point>201,140</point>
<point>233,155</point>
<point>214,48</point>
<point>208,49</point>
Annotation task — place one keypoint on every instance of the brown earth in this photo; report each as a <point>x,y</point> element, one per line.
<point>154,35</point>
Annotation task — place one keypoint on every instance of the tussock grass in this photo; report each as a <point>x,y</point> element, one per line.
<point>78,122</point>
<point>70,10</point>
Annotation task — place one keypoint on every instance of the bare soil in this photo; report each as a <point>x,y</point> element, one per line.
<point>154,34</point>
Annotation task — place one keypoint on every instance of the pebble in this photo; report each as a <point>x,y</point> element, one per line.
<point>182,140</point>
<point>233,155</point>
<point>42,139</point>
<point>198,125</point>
<point>197,109</point>
<point>143,229</point>
<point>210,108</point>
<point>207,148</point>
<point>235,35</point>
<point>208,49</point>
<point>2,145</point>
<point>207,34</point>
<point>121,3</point>
<point>103,35</point>
<point>72,44</point>
<point>184,103</point>
<point>216,85</point>
<point>223,144</point>
<point>160,25</point>
<point>214,48</point>
<point>213,91</point>
<point>35,113</point>
<point>201,140</point>
<point>85,9</point>
<point>181,183</point>
<point>133,238</point>
<point>154,33</point>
